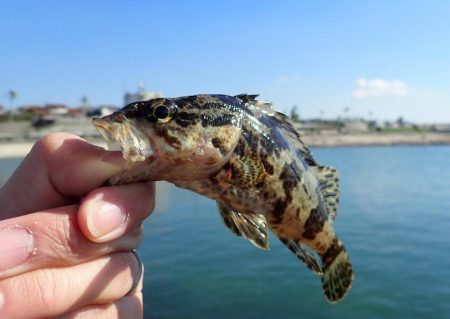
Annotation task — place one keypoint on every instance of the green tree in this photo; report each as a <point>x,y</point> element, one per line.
<point>294,114</point>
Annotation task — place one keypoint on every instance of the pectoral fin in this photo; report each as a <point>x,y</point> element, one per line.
<point>250,226</point>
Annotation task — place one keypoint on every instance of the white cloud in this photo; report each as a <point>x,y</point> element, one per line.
<point>379,87</point>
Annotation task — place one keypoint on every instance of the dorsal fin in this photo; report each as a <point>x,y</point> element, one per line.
<point>284,123</point>
<point>251,98</point>
<point>247,97</point>
<point>329,187</point>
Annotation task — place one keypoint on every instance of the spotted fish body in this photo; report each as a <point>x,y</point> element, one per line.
<point>251,160</point>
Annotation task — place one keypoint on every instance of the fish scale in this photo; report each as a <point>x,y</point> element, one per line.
<point>251,160</point>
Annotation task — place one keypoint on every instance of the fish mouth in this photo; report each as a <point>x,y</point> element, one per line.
<point>122,135</point>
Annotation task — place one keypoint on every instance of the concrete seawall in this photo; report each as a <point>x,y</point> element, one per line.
<point>375,139</point>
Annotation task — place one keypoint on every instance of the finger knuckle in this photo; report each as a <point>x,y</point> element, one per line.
<point>63,242</point>
<point>53,150</point>
<point>49,143</point>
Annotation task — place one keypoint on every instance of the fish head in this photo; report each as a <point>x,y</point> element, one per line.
<point>172,139</point>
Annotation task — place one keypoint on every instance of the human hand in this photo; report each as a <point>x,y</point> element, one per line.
<point>66,241</point>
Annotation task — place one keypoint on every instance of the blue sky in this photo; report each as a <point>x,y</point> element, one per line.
<point>384,58</point>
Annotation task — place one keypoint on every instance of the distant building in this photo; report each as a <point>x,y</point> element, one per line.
<point>33,109</point>
<point>441,128</point>
<point>356,126</point>
<point>319,127</point>
<point>75,112</point>
<point>57,109</point>
<point>102,110</point>
<point>140,95</point>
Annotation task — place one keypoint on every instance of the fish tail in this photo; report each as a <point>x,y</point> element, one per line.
<point>337,272</point>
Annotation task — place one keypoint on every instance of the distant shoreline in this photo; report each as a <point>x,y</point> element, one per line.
<point>20,149</point>
<point>15,149</point>
<point>377,139</point>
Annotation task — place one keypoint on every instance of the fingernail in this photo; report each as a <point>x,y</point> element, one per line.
<point>16,246</point>
<point>106,219</point>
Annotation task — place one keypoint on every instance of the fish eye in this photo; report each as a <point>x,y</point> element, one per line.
<point>161,112</point>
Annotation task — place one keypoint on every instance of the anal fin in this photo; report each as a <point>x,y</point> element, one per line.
<point>303,253</point>
<point>250,226</point>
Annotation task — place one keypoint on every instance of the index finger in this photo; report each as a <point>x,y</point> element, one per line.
<point>59,168</point>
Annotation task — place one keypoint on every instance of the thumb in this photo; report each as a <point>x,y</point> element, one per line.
<point>59,168</point>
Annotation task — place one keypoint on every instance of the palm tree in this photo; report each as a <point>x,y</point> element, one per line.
<point>321,114</point>
<point>346,109</point>
<point>12,95</point>
<point>84,104</point>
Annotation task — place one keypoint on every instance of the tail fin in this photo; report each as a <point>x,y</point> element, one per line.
<point>337,272</point>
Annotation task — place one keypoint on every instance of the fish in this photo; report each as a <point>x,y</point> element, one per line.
<point>250,159</point>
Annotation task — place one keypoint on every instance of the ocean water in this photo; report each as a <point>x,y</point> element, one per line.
<point>394,220</point>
